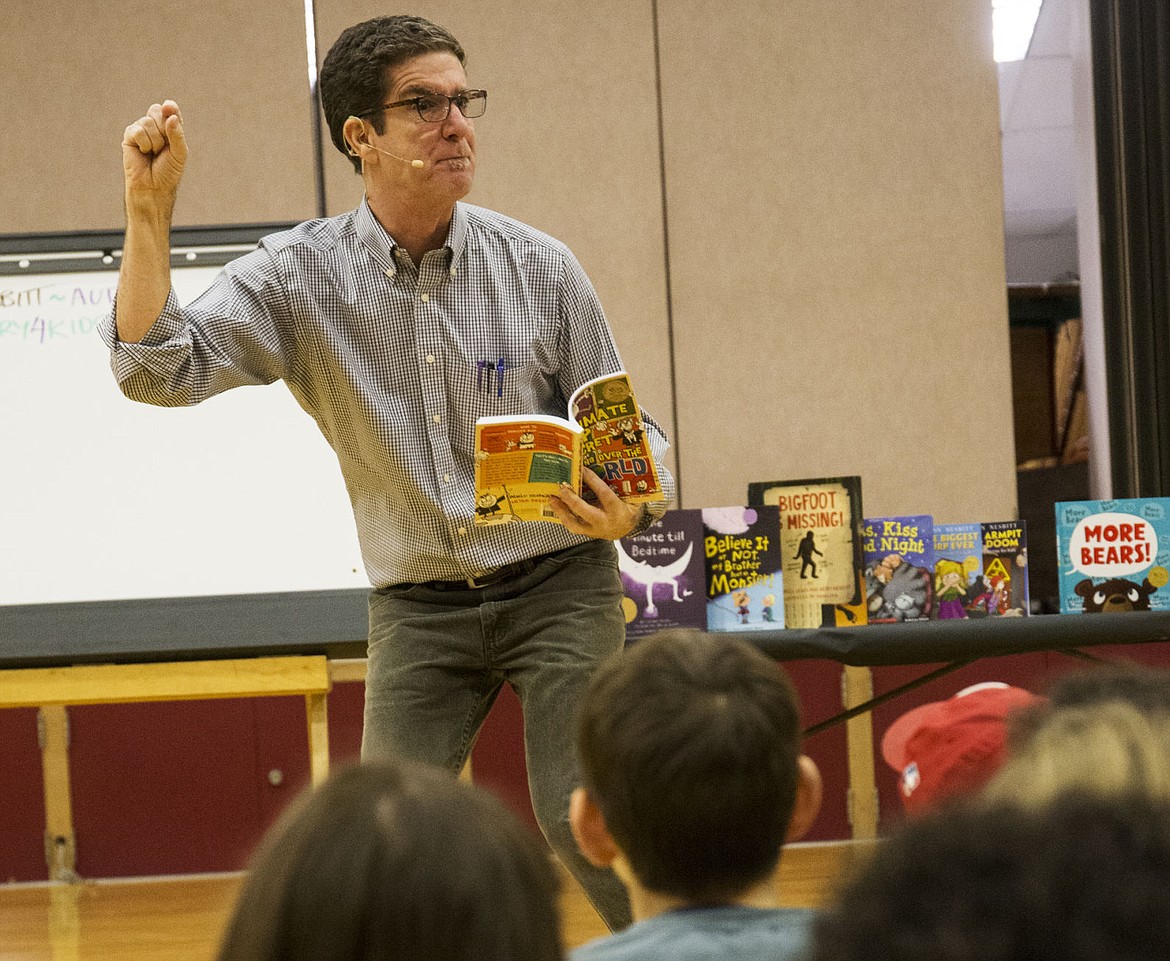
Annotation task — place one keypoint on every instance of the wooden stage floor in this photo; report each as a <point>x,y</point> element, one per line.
<point>180,919</point>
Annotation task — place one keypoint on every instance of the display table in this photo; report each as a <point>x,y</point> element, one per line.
<point>54,655</point>
<point>334,623</point>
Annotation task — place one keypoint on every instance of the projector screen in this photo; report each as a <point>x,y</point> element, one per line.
<point>107,499</point>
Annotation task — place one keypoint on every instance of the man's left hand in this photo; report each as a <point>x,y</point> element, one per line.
<point>610,518</point>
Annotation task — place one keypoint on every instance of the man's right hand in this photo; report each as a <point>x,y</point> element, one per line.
<point>154,152</point>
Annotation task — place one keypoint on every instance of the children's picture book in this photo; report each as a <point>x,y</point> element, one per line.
<point>1004,590</point>
<point>745,579</point>
<point>1113,555</point>
<point>820,543</point>
<point>958,569</point>
<point>521,461</point>
<point>898,553</point>
<point>981,570</point>
<point>715,569</point>
<point>664,575</point>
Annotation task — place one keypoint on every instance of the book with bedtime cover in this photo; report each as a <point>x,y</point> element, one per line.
<point>1113,555</point>
<point>663,575</point>
<point>820,543</point>
<point>898,554</point>
<point>520,461</point>
<point>744,566</point>
<point>1005,570</point>
<point>958,570</point>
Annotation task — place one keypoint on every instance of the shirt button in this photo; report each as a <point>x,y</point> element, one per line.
<point>425,298</point>
<point>452,271</point>
<point>446,478</point>
<point>463,530</point>
<point>437,419</point>
<point>430,358</point>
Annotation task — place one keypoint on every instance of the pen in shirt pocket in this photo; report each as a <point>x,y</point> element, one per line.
<point>489,375</point>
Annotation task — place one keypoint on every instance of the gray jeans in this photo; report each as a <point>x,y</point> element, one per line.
<point>437,660</point>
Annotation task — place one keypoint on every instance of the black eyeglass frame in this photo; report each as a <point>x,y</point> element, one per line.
<point>460,100</point>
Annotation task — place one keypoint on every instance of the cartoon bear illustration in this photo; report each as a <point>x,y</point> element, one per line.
<point>1115,595</point>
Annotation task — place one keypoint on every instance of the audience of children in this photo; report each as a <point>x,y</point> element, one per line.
<point>1041,829</point>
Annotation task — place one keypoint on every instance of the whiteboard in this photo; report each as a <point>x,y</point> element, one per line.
<point>107,499</point>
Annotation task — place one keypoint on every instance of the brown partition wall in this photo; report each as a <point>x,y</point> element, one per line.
<point>835,206</point>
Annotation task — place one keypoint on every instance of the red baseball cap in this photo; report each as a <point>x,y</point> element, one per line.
<point>952,747</point>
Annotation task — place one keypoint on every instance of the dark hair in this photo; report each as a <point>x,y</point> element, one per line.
<point>355,77</point>
<point>689,745</point>
<point>394,861</point>
<point>1084,879</point>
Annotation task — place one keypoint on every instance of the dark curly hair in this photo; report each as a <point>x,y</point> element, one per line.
<point>354,77</point>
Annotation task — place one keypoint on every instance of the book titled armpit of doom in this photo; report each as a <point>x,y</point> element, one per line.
<point>521,461</point>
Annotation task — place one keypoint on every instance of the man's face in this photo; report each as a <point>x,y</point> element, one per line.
<point>446,147</point>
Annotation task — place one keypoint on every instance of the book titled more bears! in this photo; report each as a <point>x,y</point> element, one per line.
<point>1113,555</point>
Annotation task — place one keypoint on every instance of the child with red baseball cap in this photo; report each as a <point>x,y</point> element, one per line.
<point>953,747</point>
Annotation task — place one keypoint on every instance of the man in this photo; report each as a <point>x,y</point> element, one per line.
<point>692,781</point>
<point>376,320</point>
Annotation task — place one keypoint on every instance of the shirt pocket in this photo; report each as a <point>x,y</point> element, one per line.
<point>513,389</point>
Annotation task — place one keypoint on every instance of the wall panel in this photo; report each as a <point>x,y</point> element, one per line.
<point>569,144</point>
<point>76,74</point>
<point>835,208</point>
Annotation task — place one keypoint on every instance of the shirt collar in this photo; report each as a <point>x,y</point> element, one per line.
<point>381,245</point>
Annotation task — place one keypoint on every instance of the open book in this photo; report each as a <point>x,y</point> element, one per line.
<point>521,461</point>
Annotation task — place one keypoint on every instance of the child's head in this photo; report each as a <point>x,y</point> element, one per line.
<point>690,757</point>
<point>945,749</point>
<point>395,860</point>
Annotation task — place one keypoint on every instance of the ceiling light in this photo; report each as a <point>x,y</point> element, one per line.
<point>1012,23</point>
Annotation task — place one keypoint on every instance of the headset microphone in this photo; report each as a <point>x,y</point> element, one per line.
<point>413,163</point>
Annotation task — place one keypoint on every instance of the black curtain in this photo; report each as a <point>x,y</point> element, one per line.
<point>1131,87</point>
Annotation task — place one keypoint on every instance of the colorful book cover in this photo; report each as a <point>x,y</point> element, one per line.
<point>1113,555</point>
<point>820,541</point>
<point>664,575</point>
<point>958,569</point>
<point>745,581</point>
<point>1005,570</point>
<point>898,553</point>
<point>521,461</point>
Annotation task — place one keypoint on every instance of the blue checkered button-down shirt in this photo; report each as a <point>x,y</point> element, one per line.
<point>386,356</point>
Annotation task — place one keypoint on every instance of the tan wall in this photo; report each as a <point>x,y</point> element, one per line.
<point>832,187</point>
<point>835,211</point>
<point>75,74</point>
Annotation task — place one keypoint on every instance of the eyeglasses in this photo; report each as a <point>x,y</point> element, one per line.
<point>434,107</point>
